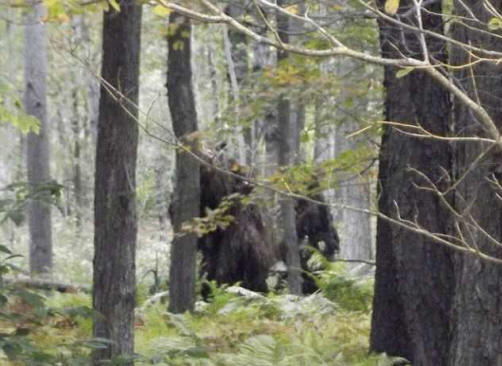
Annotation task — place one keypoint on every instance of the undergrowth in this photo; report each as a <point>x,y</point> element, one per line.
<point>237,328</point>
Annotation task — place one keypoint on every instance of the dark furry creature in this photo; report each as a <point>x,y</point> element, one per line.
<point>240,251</point>
<point>314,224</point>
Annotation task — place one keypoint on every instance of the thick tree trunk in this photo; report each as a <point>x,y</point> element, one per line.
<point>477,306</point>
<point>186,203</point>
<point>37,155</point>
<point>114,284</point>
<point>414,276</point>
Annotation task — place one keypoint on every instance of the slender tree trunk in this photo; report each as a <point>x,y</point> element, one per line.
<point>37,155</point>
<point>160,186</point>
<point>115,220</point>
<point>186,203</point>
<point>76,127</point>
<point>65,172</point>
<point>414,276</point>
<point>288,131</point>
<point>477,308</point>
<point>77,172</point>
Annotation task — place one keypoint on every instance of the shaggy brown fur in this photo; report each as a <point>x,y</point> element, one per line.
<point>314,222</point>
<point>241,251</point>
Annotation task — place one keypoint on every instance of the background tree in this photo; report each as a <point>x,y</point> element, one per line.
<point>288,130</point>
<point>37,144</point>
<point>477,313</point>
<point>414,277</point>
<point>114,281</point>
<point>186,201</point>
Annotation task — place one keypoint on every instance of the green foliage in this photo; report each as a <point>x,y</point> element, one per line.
<point>15,197</point>
<point>12,111</point>
<point>31,330</point>
<point>246,331</point>
<point>219,218</point>
<point>61,11</point>
<point>349,293</point>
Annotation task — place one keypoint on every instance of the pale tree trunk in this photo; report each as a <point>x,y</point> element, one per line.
<point>115,218</point>
<point>213,75</point>
<point>161,194</point>
<point>76,127</point>
<point>186,202</point>
<point>477,306</point>
<point>288,137</point>
<point>263,58</point>
<point>65,172</point>
<point>324,147</point>
<point>238,71</point>
<point>37,152</point>
<point>354,227</point>
<point>76,168</point>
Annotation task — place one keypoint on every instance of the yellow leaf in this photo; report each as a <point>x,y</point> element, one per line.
<point>403,72</point>
<point>50,3</point>
<point>391,6</point>
<point>161,11</point>
<point>293,9</point>
<point>194,136</point>
<point>63,18</point>
<point>235,167</point>
<point>114,4</point>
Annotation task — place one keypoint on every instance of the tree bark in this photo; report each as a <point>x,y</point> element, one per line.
<point>186,202</point>
<point>288,137</point>
<point>414,276</point>
<point>477,308</point>
<point>37,151</point>
<point>77,171</point>
<point>114,283</point>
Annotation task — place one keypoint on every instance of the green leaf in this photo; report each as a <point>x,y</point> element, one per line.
<point>403,72</point>
<point>391,6</point>
<point>495,24</point>
<point>24,122</point>
<point>4,249</point>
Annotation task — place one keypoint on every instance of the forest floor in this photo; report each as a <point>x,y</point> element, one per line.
<point>238,328</point>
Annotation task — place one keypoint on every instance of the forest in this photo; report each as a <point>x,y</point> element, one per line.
<point>251,182</point>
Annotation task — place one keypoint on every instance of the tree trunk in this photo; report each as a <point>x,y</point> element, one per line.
<point>37,155</point>
<point>186,203</point>
<point>414,276</point>
<point>477,308</point>
<point>288,136</point>
<point>353,191</point>
<point>76,127</point>
<point>264,58</point>
<point>115,217</point>
<point>77,172</point>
